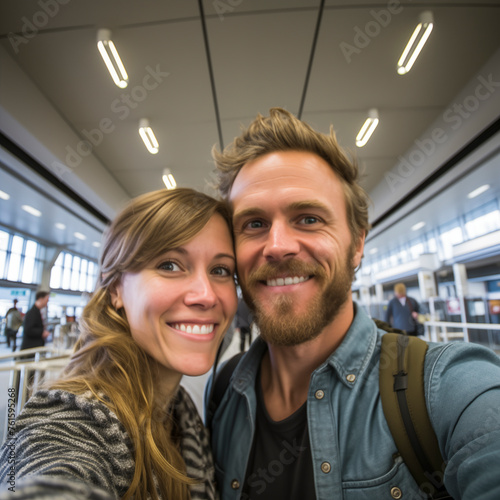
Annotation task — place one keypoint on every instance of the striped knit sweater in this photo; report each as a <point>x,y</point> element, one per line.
<point>76,447</point>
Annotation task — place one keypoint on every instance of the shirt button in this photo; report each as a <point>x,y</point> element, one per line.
<point>351,377</point>
<point>235,484</point>
<point>319,394</point>
<point>396,493</point>
<point>326,467</point>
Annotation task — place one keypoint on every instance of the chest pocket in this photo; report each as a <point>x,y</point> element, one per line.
<point>396,484</point>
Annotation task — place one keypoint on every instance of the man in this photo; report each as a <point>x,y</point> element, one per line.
<point>402,311</point>
<point>14,320</point>
<point>301,417</point>
<point>34,332</point>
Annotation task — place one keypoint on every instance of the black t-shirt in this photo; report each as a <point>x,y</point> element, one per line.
<point>280,462</point>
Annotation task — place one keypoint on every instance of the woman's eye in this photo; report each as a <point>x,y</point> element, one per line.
<point>169,266</point>
<point>222,271</point>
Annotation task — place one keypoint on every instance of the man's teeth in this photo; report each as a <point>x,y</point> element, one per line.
<point>289,280</point>
<point>196,329</point>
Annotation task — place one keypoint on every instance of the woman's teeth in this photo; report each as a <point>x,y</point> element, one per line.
<point>196,329</point>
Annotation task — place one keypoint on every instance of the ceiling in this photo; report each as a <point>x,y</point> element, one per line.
<point>200,78</point>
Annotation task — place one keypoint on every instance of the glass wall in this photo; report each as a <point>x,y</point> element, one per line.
<point>19,258</point>
<point>441,241</point>
<point>71,272</point>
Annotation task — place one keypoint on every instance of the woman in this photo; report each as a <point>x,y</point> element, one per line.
<point>117,418</point>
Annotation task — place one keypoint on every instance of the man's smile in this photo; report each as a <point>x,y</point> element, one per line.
<point>288,280</point>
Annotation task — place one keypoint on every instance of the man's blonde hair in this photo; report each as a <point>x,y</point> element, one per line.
<point>282,131</point>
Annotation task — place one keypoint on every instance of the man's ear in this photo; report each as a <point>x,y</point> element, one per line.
<point>358,251</point>
<point>115,291</point>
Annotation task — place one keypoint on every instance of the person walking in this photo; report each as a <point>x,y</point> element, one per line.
<point>34,332</point>
<point>13,320</point>
<point>402,311</point>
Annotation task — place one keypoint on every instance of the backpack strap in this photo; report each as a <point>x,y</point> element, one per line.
<point>220,381</point>
<point>403,401</point>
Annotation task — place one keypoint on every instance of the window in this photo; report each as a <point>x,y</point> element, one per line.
<point>16,252</point>
<point>4,243</point>
<point>483,220</point>
<point>416,250</point>
<point>18,258</point>
<point>29,268</point>
<point>451,235</point>
<point>71,272</point>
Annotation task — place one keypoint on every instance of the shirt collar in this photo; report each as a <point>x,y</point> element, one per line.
<point>352,357</point>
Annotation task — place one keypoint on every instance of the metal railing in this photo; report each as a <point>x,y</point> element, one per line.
<point>439,331</point>
<point>25,375</point>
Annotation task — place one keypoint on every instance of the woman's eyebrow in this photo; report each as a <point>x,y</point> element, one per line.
<point>220,255</point>
<point>225,255</point>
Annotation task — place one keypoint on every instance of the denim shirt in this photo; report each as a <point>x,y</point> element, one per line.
<point>353,454</point>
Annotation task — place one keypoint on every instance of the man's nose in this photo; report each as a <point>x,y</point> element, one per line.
<point>281,242</point>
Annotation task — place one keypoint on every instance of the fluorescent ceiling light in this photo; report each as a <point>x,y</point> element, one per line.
<point>416,42</point>
<point>373,251</point>
<point>368,128</point>
<point>31,210</point>
<point>111,58</point>
<point>4,196</point>
<point>478,191</point>
<point>148,136</point>
<point>168,179</point>
<point>417,226</point>
<point>80,236</point>
<point>60,225</point>
<point>96,244</point>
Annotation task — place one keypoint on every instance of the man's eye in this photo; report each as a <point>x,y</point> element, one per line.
<point>169,266</point>
<point>254,224</point>
<point>309,219</point>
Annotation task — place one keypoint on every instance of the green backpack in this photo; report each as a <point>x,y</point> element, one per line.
<point>401,383</point>
<point>403,402</point>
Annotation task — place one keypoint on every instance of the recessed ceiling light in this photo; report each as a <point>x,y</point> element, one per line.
<point>4,196</point>
<point>373,250</point>
<point>96,244</point>
<point>417,226</point>
<point>60,225</point>
<point>31,210</point>
<point>80,236</point>
<point>478,191</point>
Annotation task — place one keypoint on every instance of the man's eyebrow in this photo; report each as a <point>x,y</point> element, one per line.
<point>307,205</point>
<point>248,212</point>
<point>294,206</point>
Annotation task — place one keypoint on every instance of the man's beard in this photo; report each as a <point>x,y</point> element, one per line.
<point>281,326</point>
